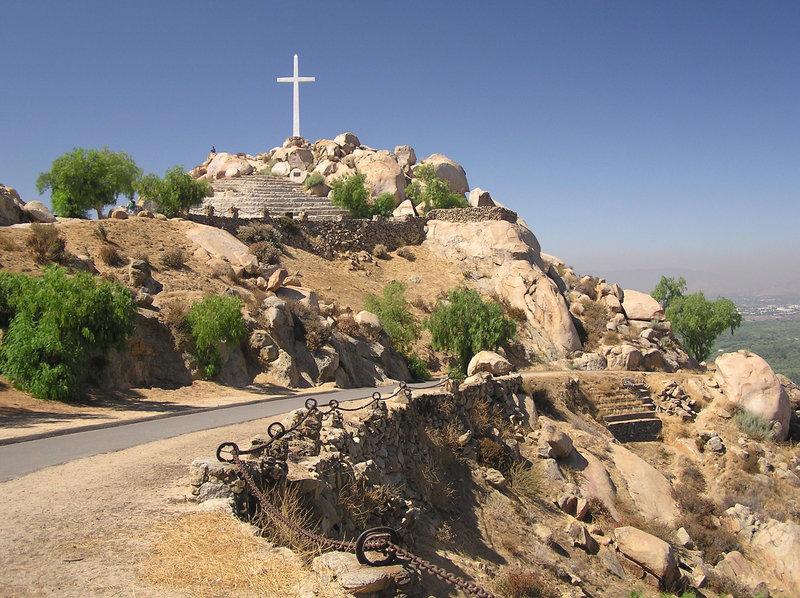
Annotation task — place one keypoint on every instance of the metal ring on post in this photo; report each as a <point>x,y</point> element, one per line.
<point>333,404</point>
<point>311,404</point>
<point>276,430</point>
<point>385,533</point>
<point>376,396</point>
<point>234,448</point>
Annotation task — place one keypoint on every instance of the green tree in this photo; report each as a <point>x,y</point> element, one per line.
<point>55,324</point>
<point>432,191</point>
<point>699,321</point>
<point>668,289</point>
<point>88,179</point>
<point>213,321</point>
<point>466,325</point>
<point>176,192</point>
<point>395,315</point>
<point>350,193</point>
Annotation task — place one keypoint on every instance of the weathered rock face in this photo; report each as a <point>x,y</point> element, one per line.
<point>36,211</point>
<point>491,362</point>
<point>779,544</point>
<point>505,260</point>
<point>225,165</point>
<point>10,206</point>
<point>747,380</point>
<point>448,171</point>
<point>405,156</point>
<point>217,242</point>
<point>641,306</point>
<point>651,553</point>
<point>478,198</point>
<point>383,173</point>
<point>648,488</point>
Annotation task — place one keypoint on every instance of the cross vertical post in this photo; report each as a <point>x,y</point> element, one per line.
<point>295,80</point>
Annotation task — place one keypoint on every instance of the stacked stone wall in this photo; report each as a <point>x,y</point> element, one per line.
<point>328,238</point>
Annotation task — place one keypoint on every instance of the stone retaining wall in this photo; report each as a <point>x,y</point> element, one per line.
<point>404,449</point>
<point>327,238</point>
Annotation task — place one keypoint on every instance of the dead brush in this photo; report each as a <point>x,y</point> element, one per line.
<point>46,243</point>
<point>100,232</point>
<point>110,256</point>
<point>525,481</point>
<point>174,259</point>
<point>364,503</point>
<point>7,243</point>
<point>289,503</point>
<point>204,555</point>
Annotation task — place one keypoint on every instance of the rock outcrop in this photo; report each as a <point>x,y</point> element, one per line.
<point>10,206</point>
<point>503,260</point>
<point>749,382</point>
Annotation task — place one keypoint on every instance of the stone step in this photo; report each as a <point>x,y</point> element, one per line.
<point>632,415</point>
<point>636,430</point>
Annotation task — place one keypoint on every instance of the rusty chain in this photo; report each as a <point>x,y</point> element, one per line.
<point>379,539</point>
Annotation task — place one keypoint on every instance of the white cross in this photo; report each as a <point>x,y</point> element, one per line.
<point>296,80</point>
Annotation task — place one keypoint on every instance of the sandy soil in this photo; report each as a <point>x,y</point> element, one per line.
<point>84,528</point>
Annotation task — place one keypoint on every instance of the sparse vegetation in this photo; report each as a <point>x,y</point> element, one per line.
<point>100,232</point>
<point>380,252</point>
<point>395,315</point>
<point>313,180</point>
<point>467,325</point>
<point>211,322</point>
<point>429,190</point>
<point>753,425</point>
<point>259,232</point>
<point>109,255</point>
<point>55,324</point>
<point>406,254</point>
<point>46,243</point>
<point>288,225</point>
<point>266,252</point>
<point>525,481</point>
<point>173,258</point>
<point>309,327</point>
<point>518,583</point>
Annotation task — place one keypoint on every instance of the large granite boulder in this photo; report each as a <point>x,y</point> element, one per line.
<point>36,211</point>
<point>478,198</point>
<point>778,544</point>
<point>491,362</point>
<point>347,141</point>
<point>748,381</point>
<point>641,306</point>
<point>649,490</point>
<point>448,171</point>
<point>651,553</point>
<point>10,206</point>
<point>217,242</point>
<point>405,156</point>
<point>383,173</point>
<point>224,165</point>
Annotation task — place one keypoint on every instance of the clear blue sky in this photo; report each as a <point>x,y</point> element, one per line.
<point>657,136</point>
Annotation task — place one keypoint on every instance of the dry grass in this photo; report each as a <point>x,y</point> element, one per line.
<point>211,555</point>
<point>7,243</point>
<point>288,501</point>
<point>525,481</point>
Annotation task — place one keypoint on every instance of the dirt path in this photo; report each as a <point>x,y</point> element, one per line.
<point>84,528</point>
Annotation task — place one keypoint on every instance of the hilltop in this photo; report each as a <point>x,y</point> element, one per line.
<point>612,446</point>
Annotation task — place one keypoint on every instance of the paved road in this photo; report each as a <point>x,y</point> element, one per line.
<point>31,455</point>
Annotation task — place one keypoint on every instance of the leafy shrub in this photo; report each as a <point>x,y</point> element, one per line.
<point>176,192</point>
<point>46,243</point>
<point>406,254</point>
<point>288,225</point>
<point>173,258</point>
<point>525,584</point>
<point>468,325</point>
<point>110,255</point>
<point>432,191</point>
<point>418,368</point>
<point>395,316</point>
<point>384,205</point>
<point>259,232</point>
<point>756,427</point>
<point>266,252</point>
<point>211,322</point>
<point>55,325</point>
<point>313,180</point>
<point>350,193</point>
<point>380,251</point>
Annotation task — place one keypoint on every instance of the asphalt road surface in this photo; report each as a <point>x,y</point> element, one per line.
<point>31,455</point>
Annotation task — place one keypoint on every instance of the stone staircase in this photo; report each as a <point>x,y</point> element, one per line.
<point>252,194</point>
<point>628,410</point>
